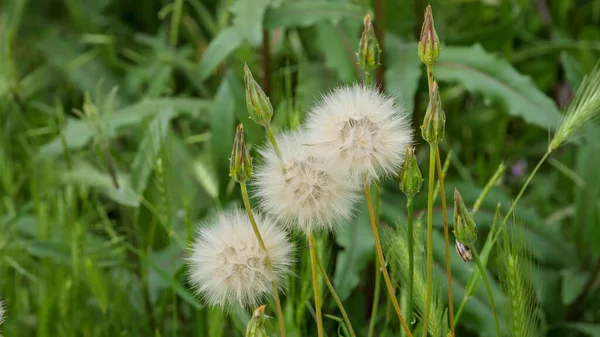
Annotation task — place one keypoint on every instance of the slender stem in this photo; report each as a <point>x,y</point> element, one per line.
<point>411,256</point>
<point>487,287</point>
<point>315,280</point>
<point>386,276</point>
<point>267,259</point>
<point>367,78</point>
<point>512,207</point>
<point>430,79</point>
<point>376,296</point>
<point>335,297</point>
<point>273,141</point>
<point>446,239</point>
<point>429,236</point>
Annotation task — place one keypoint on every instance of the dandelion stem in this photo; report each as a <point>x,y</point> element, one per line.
<point>432,152</point>
<point>273,141</point>
<point>446,239</point>
<point>267,259</point>
<point>335,297</point>
<point>386,276</point>
<point>430,79</point>
<point>315,280</point>
<point>514,204</point>
<point>487,287</point>
<point>411,256</point>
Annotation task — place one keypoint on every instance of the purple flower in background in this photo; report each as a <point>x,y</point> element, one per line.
<point>519,168</point>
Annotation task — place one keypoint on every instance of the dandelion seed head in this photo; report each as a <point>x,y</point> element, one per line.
<point>305,193</point>
<point>227,265</point>
<point>363,129</point>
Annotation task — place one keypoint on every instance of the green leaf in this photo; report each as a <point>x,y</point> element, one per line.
<point>85,174</point>
<point>78,133</point>
<point>248,18</point>
<point>222,124</point>
<point>334,42</point>
<point>482,72</point>
<point>143,162</point>
<point>403,71</point>
<point>225,43</point>
<point>307,13</point>
<point>96,283</point>
<point>356,240</point>
<point>572,285</point>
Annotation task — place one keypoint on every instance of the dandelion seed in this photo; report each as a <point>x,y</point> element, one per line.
<point>362,129</point>
<point>227,265</point>
<point>307,194</point>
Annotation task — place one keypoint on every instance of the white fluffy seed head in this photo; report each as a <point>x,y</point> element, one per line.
<point>306,193</point>
<point>363,129</point>
<point>227,265</point>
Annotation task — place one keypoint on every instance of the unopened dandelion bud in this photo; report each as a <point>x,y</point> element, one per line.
<point>434,124</point>
<point>410,176</point>
<point>368,48</point>
<point>256,326</point>
<point>429,43</point>
<point>259,105</point>
<point>240,167</point>
<point>465,229</point>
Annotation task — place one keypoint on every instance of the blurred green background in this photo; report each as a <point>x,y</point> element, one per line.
<point>117,120</point>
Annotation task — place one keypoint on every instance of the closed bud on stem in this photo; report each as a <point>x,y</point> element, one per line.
<point>465,229</point>
<point>410,175</point>
<point>256,326</point>
<point>434,124</point>
<point>429,44</point>
<point>368,48</point>
<point>259,105</point>
<point>240,166</point>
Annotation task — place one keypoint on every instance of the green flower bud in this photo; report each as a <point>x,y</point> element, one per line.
<point>410,176</point>
<point>240,166</point>
<point>465,229</point>
<point>434,124</point>
<point>429,43</point>
<point>256,326</point>
<point>368,48</point>
<point>259,105</point>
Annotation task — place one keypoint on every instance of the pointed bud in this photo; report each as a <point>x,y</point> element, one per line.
<point>429,44</point>
<point>240,166</point>
<point>434,124</point>
<point>368,48</point>
<point>410,176</point>
<point>465,229</point>
<point>256,326</point>
<point>259,105</point>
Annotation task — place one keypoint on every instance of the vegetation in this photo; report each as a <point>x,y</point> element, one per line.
<point>118,121</point>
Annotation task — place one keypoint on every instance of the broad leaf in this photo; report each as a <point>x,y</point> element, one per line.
<point>306,13</point>
<point>403,71</point>
<point>484,73</point>
<point>225,43</point>
<point>248,18</point>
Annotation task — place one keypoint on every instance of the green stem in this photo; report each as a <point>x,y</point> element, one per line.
<point>430,79</point>
<point>273,141</point>
<point>267,259</point>
<point>376,295</point>
<point>411,256</point>
<point>315,280</point>
<point>175,19</point>
<point>446,239</point>
<point>386,276</point>
<point>487,287</point>
<point>336,297</point>
<point>429,237</point>
<point>512,207</point>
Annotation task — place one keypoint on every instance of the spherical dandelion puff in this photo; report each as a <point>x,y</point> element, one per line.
<point>227,265</point>
<point>364,129</point>
<point>306,194</point>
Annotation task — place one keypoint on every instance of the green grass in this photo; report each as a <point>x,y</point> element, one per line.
<point>101,197</point>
